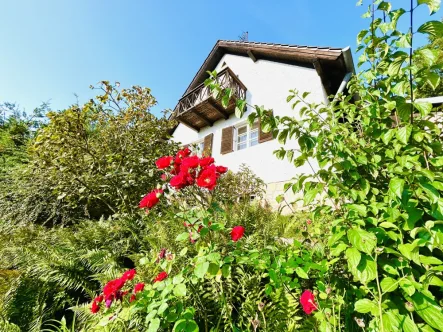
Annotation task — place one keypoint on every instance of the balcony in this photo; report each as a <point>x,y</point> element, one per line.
<point>198,108</point>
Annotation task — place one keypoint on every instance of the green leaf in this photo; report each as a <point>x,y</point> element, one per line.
<point>396,186</point>
<point>362,240</point>
<point>430,260</point>
<point>182,237</point>
<point>353,257</point>
<point>184,325</point>
<point>366,269</point>
<point>301,273</point>
<point>431,192</point>
<point>433,79</point>
<point>388,284</point>
<point>437,161</point>
<point>424,107</point>
<point>407,286</point>
<point>180,290</point>
<point>410,251</point>
<point>201,269</point>
<point>154,325</point>
<point>365,305</point>
<point>394,67</point>
<point>213,269</point>
<point>387,136</point>
<point>404,133</point>
<point>434,5</point>
<point>433,28</point>
<point>428,310</point>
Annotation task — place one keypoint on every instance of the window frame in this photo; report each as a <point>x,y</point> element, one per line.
<point>249,132</point>
<point>197,144</point>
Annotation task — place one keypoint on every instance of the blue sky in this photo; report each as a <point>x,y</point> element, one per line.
<point>51,49</point>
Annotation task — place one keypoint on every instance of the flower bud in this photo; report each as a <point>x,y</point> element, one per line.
<point>409,306</point>
<point>360,322</point>
<point>261,305</point>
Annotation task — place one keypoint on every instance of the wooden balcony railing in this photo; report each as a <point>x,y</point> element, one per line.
<point>198,108</point>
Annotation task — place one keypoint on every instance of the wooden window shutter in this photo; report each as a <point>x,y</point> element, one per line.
<point>227,141</point>
<point>207,145</point>
<point>263,137</point>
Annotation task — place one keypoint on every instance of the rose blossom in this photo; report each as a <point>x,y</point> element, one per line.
<point>161,276</point>
<point>308,302</point>
<point>237,233</point>
<point>164,162</point>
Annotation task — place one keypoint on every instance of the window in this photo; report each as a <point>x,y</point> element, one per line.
<point>199,147</point>
<point>246,136</point>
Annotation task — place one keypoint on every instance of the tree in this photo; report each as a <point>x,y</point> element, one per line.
<point>99,157</point>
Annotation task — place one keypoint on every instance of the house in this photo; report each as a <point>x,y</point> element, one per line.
<point>263,73</point>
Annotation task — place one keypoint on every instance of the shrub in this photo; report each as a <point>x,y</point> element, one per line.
<point>95,159</point>
<point>380,157</point>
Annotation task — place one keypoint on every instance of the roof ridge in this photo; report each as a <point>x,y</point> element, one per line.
<point>280,45</point>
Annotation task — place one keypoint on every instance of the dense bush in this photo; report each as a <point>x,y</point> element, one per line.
<point>89,161</point>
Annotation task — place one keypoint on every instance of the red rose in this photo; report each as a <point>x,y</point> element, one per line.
<point>132,298</point>
<point>199,228</point>
<point>204,162</point>
<point>190,162</point>
<point>161,276</point>
<point>99,299</point>
<point>182,154</point>
<point>221,169</point>
<point>112,287</point>
<point>139,287</point>
<point>164,162</point>
<point>207,178</point>
<point>308,302</point>
<point>128,275</point>
<point>237,233</point>
<point>95,307</point>
<point>163,177</point>
<point>151,199</point>
<point>179,181</point>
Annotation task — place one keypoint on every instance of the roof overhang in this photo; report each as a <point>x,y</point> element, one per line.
<point>331,63</point>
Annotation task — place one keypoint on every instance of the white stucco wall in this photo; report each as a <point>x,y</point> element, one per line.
<point>267,84</point>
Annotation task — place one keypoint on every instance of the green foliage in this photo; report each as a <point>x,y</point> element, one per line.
<point>239,186</point>
<point>90,161</point>
<point>431,54</point>
<point>379,153</point>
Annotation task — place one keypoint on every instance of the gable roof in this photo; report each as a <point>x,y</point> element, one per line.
<point>331,61</point>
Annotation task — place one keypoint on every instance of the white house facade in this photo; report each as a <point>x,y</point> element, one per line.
<point>264,74</point>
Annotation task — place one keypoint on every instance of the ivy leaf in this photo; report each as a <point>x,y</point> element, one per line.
<point>434,5</point>
<point>396,186</point>
<point>365,305</point>
<point>404,133</point>
<point>388,284</point>
<point>433,28</point>
<point>362,240</point>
